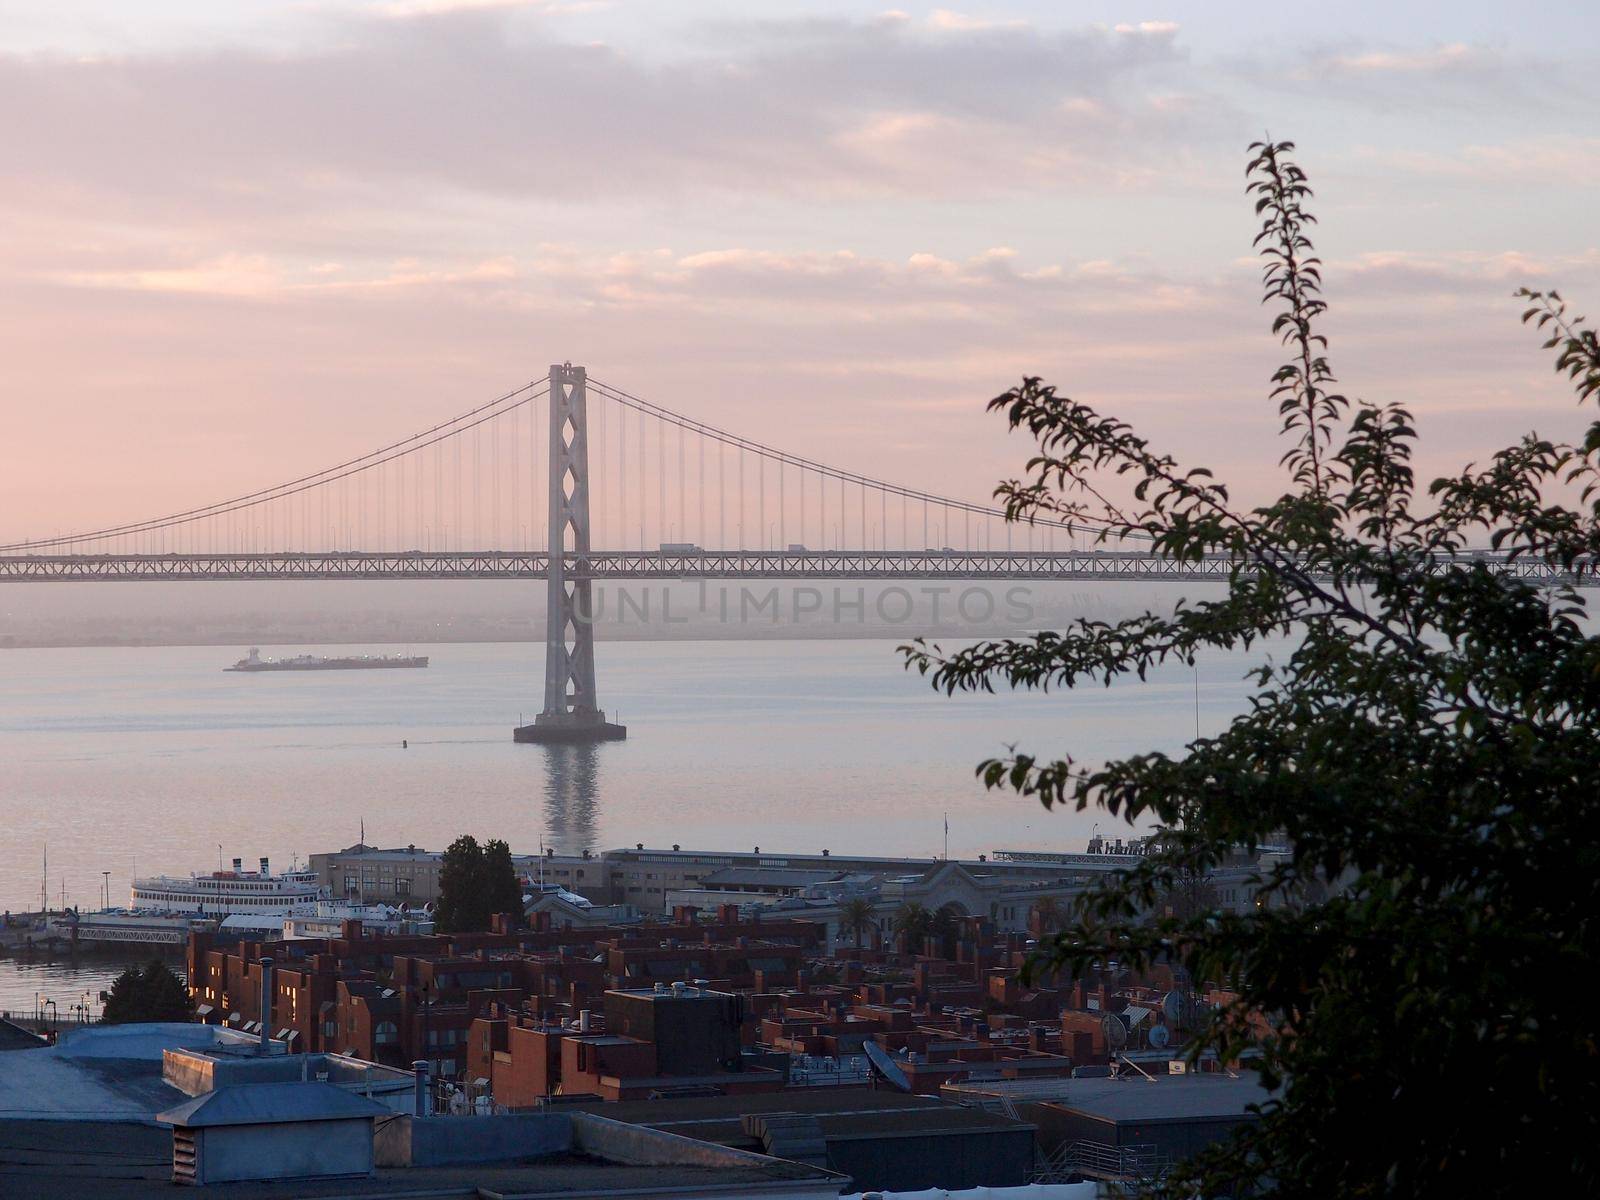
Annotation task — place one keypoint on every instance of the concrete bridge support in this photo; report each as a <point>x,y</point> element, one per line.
<point>571,710</point>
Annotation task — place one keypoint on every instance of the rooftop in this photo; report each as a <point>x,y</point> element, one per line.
<point>101,1072</point>
<point>14,1037</point>
<point>841,1112</point>
<point>46,1160</point>
<point>270,1103</point>
<point>1209,1095</point>
<point>768,876</point>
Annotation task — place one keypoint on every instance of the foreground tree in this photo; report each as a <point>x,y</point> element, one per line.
<point>501,887</point>
<point>1428,742</point>
<point>475,882</point>
<point>154,993</point>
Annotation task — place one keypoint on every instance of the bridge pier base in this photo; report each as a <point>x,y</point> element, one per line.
<point>567,728</point>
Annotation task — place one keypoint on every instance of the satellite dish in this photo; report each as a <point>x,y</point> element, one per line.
<point>1116,1032</point>
<point>1160,1037</point>
<point>1178,1008</point>
<point>886,1066</point>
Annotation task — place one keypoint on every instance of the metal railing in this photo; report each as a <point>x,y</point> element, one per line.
<point>1097,1160</point>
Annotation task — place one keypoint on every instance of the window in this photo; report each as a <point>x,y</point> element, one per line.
<point>387,1034</point>
<point>402,887</point>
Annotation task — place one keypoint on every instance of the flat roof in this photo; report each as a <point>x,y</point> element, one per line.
<point>841,1112</point>
<point>101,1072</point>
<point>406,854</point>
<point>45,1160</point>
<point>1206,1095</point>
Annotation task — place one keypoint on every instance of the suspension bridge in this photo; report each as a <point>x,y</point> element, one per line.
<point>532,483</point>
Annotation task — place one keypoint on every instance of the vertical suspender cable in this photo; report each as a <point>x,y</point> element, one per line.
<point>597,456</point>
<point>622,475</point>
<point>515,511</point>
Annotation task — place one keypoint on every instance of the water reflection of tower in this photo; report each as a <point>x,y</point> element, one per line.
<point>571,788</point>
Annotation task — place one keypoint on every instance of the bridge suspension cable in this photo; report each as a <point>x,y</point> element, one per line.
<point>432,436</point>
<point>883,487</point>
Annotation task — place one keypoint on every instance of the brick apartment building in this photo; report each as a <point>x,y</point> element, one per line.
<point>389,998</point>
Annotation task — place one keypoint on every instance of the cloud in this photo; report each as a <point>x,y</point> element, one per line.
<point>814,108</point>
<point>945,19</point>
<point>1556,162</point>
<point>1426,81</point>
<point>261,277</point>
<point>1456,56</point>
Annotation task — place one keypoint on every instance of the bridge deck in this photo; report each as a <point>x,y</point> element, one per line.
<point>664,565</point>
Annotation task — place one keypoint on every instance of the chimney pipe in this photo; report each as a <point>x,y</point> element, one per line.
<point>419,1070</point>
<point>266,1004</point>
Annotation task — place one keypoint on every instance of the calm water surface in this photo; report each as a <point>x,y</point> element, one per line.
<point>128,760</point>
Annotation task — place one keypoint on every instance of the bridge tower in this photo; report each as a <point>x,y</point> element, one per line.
<point>571,711</point>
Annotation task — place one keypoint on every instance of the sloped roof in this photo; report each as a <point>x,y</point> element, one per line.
<point>270,1103</point>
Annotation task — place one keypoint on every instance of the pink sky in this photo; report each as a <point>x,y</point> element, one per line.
<point>228,257</point>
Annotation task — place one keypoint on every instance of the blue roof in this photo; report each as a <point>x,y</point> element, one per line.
<point>270,1103</point>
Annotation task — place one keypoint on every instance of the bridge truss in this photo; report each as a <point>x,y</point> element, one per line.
<point>624,565</point>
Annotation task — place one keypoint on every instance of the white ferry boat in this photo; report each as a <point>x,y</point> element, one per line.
<point>224,893</point>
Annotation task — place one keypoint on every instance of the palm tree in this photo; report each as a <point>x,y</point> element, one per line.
<point>1048,910</point>
<point>915,921</point>
<point>855,913</point>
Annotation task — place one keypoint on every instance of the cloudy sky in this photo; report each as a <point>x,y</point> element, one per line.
<point>241,241</point>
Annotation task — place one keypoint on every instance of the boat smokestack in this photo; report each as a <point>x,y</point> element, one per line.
<point>238,866</point>
<point>266,1004</point>
<point>263,865</point>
